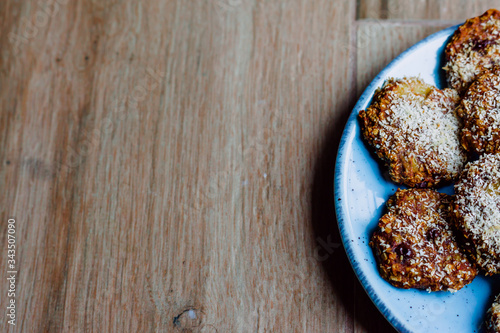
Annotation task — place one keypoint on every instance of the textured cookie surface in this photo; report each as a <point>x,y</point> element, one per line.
<point>415,246</point>
<point>477,211</point>
<point>473,48</point>
<point>493,317</point>
<point>480,113</point>
<point>415,131</point>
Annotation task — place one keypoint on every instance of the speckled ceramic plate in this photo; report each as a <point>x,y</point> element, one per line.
<point>361,191</point>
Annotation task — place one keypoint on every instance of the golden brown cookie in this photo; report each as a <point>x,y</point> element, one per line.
<point>493,317</point>
<point>415,246</point>
<point>477,211</point>
<point>480,113</point>
<point>473,48</point>
<point>414,130</point>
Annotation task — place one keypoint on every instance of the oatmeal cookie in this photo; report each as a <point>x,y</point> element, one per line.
<point>493,317</point>
<point>415,246</point>
<point>477,211</point>
<point>474,47</point>
<point>480,113</point>
<point>414,130</point>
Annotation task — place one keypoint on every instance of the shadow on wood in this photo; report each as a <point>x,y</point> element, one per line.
<point>332,256</point>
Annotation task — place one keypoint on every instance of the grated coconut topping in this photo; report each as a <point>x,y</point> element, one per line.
<point>478,205</point>
<point>485,108</point>
<point>430,125</point>
<point>467,64</point>
<point>493,315</point>
<point>432,259</point>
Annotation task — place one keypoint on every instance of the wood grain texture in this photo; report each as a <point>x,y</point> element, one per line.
<point>170,163</point>
<point>161,157</point>
<point>423,9</point>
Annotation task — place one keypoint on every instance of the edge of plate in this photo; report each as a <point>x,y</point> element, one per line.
<point>339,179</point>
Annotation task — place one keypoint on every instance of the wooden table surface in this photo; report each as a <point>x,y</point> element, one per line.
<point>169,163</point>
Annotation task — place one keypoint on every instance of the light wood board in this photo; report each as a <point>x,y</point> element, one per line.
<point>169,164</point>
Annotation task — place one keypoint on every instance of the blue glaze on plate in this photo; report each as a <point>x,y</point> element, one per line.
<point>361,191</point>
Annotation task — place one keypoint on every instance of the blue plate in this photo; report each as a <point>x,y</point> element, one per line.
<point>361,191</point>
